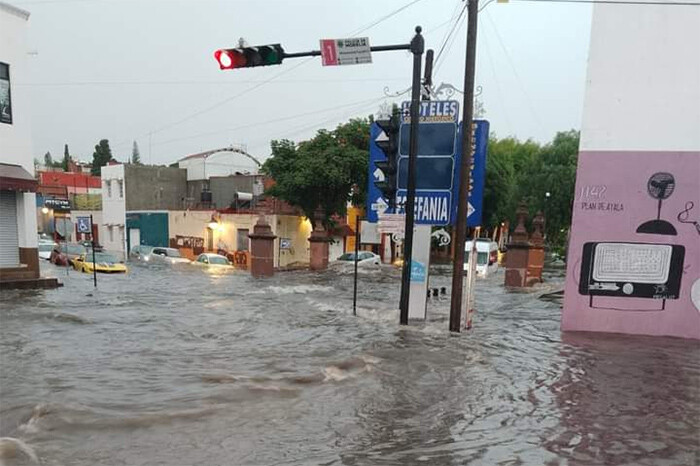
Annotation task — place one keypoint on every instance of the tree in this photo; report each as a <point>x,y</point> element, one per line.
<point>526,171</point>
<point>48,160</point>
<point>135,155</point>
<point>321,172</point>
<point>101,157</point>
<point>66,159</point>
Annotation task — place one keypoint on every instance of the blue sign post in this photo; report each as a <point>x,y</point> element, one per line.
<point>439,157</point>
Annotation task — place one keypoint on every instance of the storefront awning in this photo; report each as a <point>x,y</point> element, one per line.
<point>16,178</point>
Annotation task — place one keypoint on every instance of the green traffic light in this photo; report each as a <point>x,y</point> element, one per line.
<point>270,55</point>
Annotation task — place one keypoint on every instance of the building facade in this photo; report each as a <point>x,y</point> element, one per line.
<point>634,255</point>
<point>18,229</point>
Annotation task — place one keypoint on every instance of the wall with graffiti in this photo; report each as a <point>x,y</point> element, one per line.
<point>634,254</point>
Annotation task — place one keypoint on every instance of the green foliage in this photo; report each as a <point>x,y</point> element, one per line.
<point>66,158</point>
<point>48,160</point>
<point>517,171</point>
<point>101,157</point>
<point>135,155</point>
<point>321,172</point>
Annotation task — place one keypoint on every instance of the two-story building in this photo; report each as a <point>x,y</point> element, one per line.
<point>19,259</point>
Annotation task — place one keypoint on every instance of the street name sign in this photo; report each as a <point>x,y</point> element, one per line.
<point>353,51</point>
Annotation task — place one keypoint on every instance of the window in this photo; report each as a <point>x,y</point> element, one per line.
<point>111,234</point>
<point>121,189</point>
<point>242,239</point>
<point>108,185</point>
<point>5,102</point>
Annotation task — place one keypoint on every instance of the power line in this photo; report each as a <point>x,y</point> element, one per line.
<point>449,34</point>
<point>515,72</point>
<point>194,82</point>
<point>276,120</point>
<point>616,2</point>
<point>262,83</point>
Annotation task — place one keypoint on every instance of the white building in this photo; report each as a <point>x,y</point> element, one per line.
<point>18,228</point>
<point>634,254</point>
<point>113,224</point>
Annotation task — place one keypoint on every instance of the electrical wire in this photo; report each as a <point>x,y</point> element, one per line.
<point>515,72</point>
<point>262,83</point>
<point>195,82</point>
<point>616,2</point>
<point>449,35</point>
<point>266,122</point>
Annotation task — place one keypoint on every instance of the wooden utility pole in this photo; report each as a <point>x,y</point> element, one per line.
<point>465,168</point>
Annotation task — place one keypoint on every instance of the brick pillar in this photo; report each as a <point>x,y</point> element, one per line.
<point>517,257</point>
<point>319,245</point>
<point>262,248</point>
<point>536,256</point>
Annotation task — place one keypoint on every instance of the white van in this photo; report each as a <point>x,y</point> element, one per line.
<point>486,256</point>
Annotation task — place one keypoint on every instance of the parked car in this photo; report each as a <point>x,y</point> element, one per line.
<point>364,258</point>
<point>103,263</point>
<point>64,253</point>
<point>46,247</point>
<point>167,256</point>
<point>141,253</point>
<point>212,260</point>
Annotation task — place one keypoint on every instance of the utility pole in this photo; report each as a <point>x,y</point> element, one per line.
<point>465,168</point>
<point>417,47</point>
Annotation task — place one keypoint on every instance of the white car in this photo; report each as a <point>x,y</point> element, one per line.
<point>167,256</point>
<point>45,249</point>
<point>213,260</point>
<point>364,258</point>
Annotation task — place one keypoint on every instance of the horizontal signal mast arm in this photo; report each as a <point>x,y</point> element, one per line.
<point>377,48</point>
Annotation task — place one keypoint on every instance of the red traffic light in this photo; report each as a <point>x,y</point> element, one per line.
<point>230,58</point>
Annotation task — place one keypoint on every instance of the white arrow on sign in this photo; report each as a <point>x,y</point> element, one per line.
<point>378,175</point>
<point>379,205</point>
<point>470,209</point>
<point>382,137</point>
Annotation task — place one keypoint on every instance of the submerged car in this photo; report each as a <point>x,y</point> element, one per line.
<point>364,258</point>
<point>167,256</point>
<point>65,253</point>
<point>103,263</point>
<point>141,253</point>
<point>46,248</point>
<point>212,260</point>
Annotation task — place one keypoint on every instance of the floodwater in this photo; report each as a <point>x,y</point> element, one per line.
<point>186,367</point>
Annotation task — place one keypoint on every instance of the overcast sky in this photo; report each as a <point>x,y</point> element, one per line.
<point>124,69</point>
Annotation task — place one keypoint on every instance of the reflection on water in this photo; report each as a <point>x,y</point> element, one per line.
<point>181,366</point>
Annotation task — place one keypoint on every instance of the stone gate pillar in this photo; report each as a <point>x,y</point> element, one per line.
<point>319,244</point>
<point>262,248</point>
<point>518,251</point>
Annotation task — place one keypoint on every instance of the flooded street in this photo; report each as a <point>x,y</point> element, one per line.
<point>185,367</point>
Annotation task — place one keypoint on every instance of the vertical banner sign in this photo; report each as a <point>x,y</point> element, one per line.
<point>375,202</point>
<point>480,128</point>
<point>420,264</point>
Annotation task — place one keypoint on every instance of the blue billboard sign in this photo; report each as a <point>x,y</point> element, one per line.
<point>437,166</point>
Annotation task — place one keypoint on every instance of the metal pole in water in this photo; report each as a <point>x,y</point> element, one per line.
<point>357,250</point>
<point>94,264</point>
<point>417,48</point>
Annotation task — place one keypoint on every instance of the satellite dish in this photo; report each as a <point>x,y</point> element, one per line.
<point>660,186</point>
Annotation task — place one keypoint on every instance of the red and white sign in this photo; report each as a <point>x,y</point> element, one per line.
<point>391,223</point>
<point>352,51</point>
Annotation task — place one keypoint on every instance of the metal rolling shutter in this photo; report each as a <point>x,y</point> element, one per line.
<point>9,244</point>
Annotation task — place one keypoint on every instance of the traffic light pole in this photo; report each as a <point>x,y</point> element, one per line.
<point>417,47</point>
<point>465,167</point>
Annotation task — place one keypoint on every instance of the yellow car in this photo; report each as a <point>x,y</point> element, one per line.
<point>106,263</point>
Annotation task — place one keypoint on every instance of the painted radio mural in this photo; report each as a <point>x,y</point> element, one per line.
<point>637,251</point>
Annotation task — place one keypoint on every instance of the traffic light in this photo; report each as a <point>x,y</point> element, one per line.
<point>248,57</point>
<point>388,142</point>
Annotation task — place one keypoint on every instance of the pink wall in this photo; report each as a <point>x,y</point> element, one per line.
<point>611,202</point>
